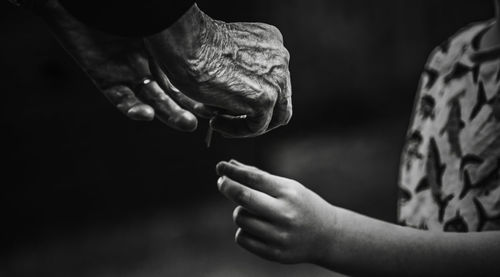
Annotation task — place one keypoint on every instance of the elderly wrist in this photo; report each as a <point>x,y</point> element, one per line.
<point>37,7</point>
<point>28,4</point>
<point>186,35</point>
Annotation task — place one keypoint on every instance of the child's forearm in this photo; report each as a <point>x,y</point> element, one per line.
<point>360,245</point>
<point>281,220</point>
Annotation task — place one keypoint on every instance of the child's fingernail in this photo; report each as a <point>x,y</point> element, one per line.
<point>220,181</point>
<point>235,162</point>
<point>218,168</point>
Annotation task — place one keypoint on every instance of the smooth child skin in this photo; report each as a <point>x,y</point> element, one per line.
<point>281,220</point>
<point>275,214</point>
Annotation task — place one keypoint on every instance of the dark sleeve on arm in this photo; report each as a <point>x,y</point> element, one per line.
<point>128,17</point>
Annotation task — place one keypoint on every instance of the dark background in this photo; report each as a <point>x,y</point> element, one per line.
<point>87,192</point>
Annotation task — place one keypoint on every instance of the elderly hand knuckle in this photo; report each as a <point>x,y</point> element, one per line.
<point>287,54</point>
<point>287,117</point>
<point>265,100</point>
<point>275,31</point>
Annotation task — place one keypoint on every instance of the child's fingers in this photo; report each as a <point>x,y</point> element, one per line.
<point>253,200</point>
<point>253,225</point>
<point>251,177</point>
<point>255,245</point>
<point>235,162</point>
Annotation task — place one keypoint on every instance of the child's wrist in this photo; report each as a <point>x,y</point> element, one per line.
<point>327,237</point>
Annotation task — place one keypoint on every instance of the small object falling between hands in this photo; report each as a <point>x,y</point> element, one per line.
<point>210,130</point>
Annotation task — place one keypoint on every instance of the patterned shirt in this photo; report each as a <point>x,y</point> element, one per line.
<point>450,167</point>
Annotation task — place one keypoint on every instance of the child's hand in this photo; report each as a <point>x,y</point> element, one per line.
<point>278,218</point>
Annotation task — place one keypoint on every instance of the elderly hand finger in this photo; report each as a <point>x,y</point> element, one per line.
<point>193,106</point>
<point>283,109</point>
<point>141,112</point>
<point>126,101</point>
<point>234,127</point>
<point>166,109</point>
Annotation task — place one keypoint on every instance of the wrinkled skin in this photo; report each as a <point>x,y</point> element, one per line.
<point>116,65</point>
<point>236,74</point>
<point>278,218</point>
<point>237,68</point>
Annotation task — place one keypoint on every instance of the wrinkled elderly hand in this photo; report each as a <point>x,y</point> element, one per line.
<point>116,65</point>
<point>237,68</point>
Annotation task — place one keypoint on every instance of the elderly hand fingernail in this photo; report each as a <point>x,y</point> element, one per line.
<point>186,122</point>
<point>188,116</point>
<point>141,112</point>
<point>199,107</point>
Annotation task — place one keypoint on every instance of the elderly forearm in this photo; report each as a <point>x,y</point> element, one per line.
<point>185,35</point>
<point>359,245</point>
<point>136,18</point>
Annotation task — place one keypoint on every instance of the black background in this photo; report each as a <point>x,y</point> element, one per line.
<point>88,192</point>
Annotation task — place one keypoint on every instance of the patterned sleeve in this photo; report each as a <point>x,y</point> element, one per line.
<point>450,167</point>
